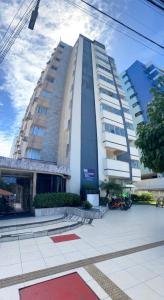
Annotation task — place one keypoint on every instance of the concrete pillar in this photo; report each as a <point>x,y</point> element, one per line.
<point>34,185</point>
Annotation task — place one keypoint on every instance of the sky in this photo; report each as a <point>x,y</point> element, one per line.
<point>59,19</point>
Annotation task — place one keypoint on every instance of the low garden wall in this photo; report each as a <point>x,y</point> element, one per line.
<point>65,211</point>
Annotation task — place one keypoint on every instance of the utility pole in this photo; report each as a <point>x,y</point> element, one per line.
<point>34,16</point>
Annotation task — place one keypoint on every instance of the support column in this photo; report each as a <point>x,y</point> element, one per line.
<point>34,185</point>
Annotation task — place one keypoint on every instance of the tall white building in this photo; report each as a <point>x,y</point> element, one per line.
<point>78,118</point>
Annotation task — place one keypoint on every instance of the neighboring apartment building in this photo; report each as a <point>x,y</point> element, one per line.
<point>137,82</point>
<point>78,118</point>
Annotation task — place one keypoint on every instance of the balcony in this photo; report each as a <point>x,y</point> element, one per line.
<point>114,141</point>
<point>39,120</point>
<point>128,116</point>
<point>131,135</point>
<point>116,168</point>
<point>106,84</point>
<point>111,116</point>
<point>136,174</point>
<point>35,142</point>
<point>134,151</point>
<point>109,99</point>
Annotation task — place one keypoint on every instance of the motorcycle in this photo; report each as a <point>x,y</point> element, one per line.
<point>122,203</point>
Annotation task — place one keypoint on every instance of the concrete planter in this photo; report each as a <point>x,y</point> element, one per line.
<point>88,214</point>
<point>40,212</point>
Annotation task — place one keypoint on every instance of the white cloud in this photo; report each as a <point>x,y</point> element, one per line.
<point>29,54</point>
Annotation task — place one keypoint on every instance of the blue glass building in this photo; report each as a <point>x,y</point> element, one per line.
<point>137,81</point>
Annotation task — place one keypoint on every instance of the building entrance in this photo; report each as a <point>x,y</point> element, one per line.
<point>15,194</point>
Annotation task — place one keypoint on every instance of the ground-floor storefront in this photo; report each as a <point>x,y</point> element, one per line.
<point>21,180</point>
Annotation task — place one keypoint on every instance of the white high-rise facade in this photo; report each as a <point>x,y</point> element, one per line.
<point>78,118</point>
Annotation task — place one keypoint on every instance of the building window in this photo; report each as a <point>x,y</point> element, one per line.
<point>111,109</point>
<point>129,125</point>
<point>140,123</point>
<point>103,68</point>
<point>33,153</point>
<point>99,44</point>
<point>135,164</point>
<point>126,110</point>
<point>54,68</point>
<point>107,92</point>
<point>41,110</point>
<point>99,76</point>
<point>130,88</point>
<point>133,95</point>
<point>124,75</point>
<point>37,131</point>
<point>127,81</point>
<point>50,78</point>
<point>102,53</point>
<point>102,59</point>
<point>45,93</point>
<point>135,104</point>
<point>138,113</point>
<point>114,129</point>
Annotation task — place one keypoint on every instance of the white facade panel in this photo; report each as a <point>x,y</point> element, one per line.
<point>125,103</point>
<point>134,151</point>
<point>75,152</point>
<point>112,104</point>
<point>128,117</point>
<point>107,85</point>
<point>139,119</point>
<point>136,172</point>
<point>134,179</point>
<point>103,72</point>
<point>113,145</point>
<point>131,132</point>
<point>117,139</point>
<point>111,116</point>
<point>108,98</point>
<point>116,168</point>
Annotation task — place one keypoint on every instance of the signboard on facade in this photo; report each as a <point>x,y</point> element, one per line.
<point>89,174</point>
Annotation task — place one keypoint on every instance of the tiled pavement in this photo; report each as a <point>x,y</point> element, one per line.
<point>139,275</point>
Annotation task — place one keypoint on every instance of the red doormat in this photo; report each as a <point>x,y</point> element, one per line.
<point>68,287</point>
<point>64,238</point>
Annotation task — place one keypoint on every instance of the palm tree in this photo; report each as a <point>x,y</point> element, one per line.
<point>111,186</point>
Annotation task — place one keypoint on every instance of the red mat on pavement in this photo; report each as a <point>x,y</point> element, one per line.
<point>64,238</point>
<point>68,287</point>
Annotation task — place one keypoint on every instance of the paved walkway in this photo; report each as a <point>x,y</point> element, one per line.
<point>138,273</point>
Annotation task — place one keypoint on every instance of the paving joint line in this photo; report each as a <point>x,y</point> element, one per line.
<point>9,281</point>
<point>107,284</point>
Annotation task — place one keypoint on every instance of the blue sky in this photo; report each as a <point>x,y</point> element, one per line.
<point>27,58</point>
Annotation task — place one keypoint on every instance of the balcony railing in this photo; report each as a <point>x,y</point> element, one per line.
<point>116,168</point>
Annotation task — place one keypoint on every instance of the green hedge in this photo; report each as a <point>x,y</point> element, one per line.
<point>87,205</point>
<point>48,200</point>
<point>142,197</point>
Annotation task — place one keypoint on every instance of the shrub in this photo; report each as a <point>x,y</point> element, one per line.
<point>142,197</point>
<point>135,197</point>
<point>146,196</point>
<point>87,205</point>
<point>48,200</point>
